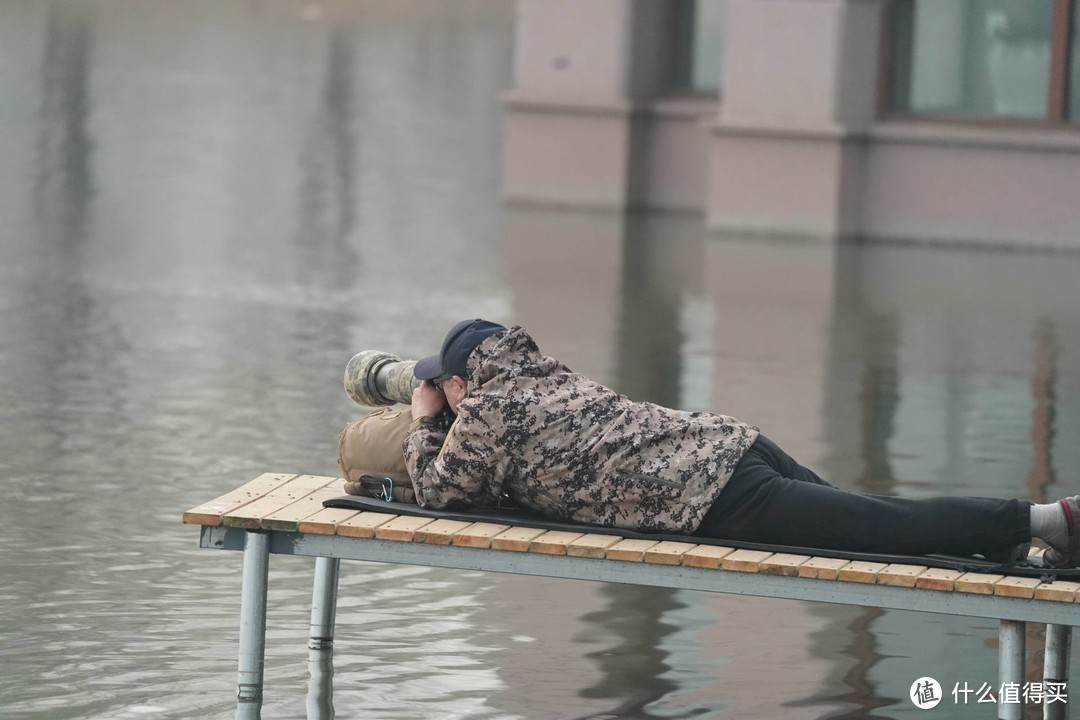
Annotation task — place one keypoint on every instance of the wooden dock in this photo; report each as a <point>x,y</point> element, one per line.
<point>284,514</point>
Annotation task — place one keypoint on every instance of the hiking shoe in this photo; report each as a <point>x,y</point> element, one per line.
<point>1068,556</point>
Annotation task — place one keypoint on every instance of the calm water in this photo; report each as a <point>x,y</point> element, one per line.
<point>207,207</point>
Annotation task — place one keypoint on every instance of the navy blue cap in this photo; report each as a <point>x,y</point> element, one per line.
<point>456,348</point>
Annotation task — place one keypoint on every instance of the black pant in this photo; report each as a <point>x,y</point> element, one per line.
<point>772,499</point>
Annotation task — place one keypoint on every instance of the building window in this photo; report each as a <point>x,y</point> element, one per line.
<point>999,59</point>
<point>698,45</point>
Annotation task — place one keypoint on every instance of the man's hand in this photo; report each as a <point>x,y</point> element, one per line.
<point>427,400</point>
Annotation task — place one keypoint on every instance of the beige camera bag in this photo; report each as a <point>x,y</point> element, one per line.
<point>371,459</point>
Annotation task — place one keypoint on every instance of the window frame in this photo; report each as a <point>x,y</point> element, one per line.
<point>681,16</point>
<point>1057,100</point>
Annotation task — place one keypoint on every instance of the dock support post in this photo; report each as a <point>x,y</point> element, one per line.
<point>252,626</point>
<point>320,697</point>
<point>1011,666</point>
<point>1056,668</point>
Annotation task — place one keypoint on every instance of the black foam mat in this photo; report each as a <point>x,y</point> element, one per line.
<point>520,518</point>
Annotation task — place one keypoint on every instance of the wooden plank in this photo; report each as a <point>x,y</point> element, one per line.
<point>402,528</point>
<point>1058,591</point>
<point>630,550</point>
<point>326,521</point>
<point>706,556</point>
<point>440,532</point>
<point>745,560</point>
<point>977,583</point>
<point>593,545</point>
<point>937,579</point>
<point>288,518</point>
<point>821,568</point>
<point>553,542</point>
<point>786,564</point>
<point>250,516</point>
<point>861,572</point>
<point>478,535</point>
<point>1018,587</point>
<point>516,539</point>
<point>364,524</point>
<point>900,575</point>
<point>210,513</point>
<point>667,552</point>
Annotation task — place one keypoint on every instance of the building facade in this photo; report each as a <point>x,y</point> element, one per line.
<point>952,121</point>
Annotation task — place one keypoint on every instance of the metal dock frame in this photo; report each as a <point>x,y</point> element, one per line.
<point>258,545</point>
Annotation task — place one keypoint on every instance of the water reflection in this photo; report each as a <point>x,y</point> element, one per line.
<point>617,297</point>
<point>864,695</point>
<point>625,299</point>
<point>821,348</point>
<point>879,401</point>
<point>632,663</point>
<point>565,272</point>
<point>64,186</point>
<point>585,285</point>
<point>320,692</point>
<point>996,386</point>
<point>1043,391</point>
<point>327,204</point>
<point>654,285</point>
<point>189,255</point>
<point>208,207</point>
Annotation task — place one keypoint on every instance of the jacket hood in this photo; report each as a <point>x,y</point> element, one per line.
<point>508,355</point>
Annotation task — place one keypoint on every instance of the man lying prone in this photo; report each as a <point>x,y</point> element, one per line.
<point>571,449</point>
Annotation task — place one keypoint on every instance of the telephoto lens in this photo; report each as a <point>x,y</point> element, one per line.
<point>374,378</point>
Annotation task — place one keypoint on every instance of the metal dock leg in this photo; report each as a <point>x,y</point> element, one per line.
<point>1056,667</point>
<point>320,697</point>
<point>252,626</point>
<point>1011,666</point>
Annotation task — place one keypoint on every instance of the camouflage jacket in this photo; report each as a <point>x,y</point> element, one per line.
<point>571,449</point>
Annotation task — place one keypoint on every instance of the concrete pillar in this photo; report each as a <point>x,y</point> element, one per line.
<point>572,118</point>
<point>799,86</point>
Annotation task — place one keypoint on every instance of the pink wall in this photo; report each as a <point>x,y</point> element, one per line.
<point>967,185</point>
<point>793,148</point>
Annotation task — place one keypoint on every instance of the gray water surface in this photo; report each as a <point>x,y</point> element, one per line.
<point>207,208</point>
